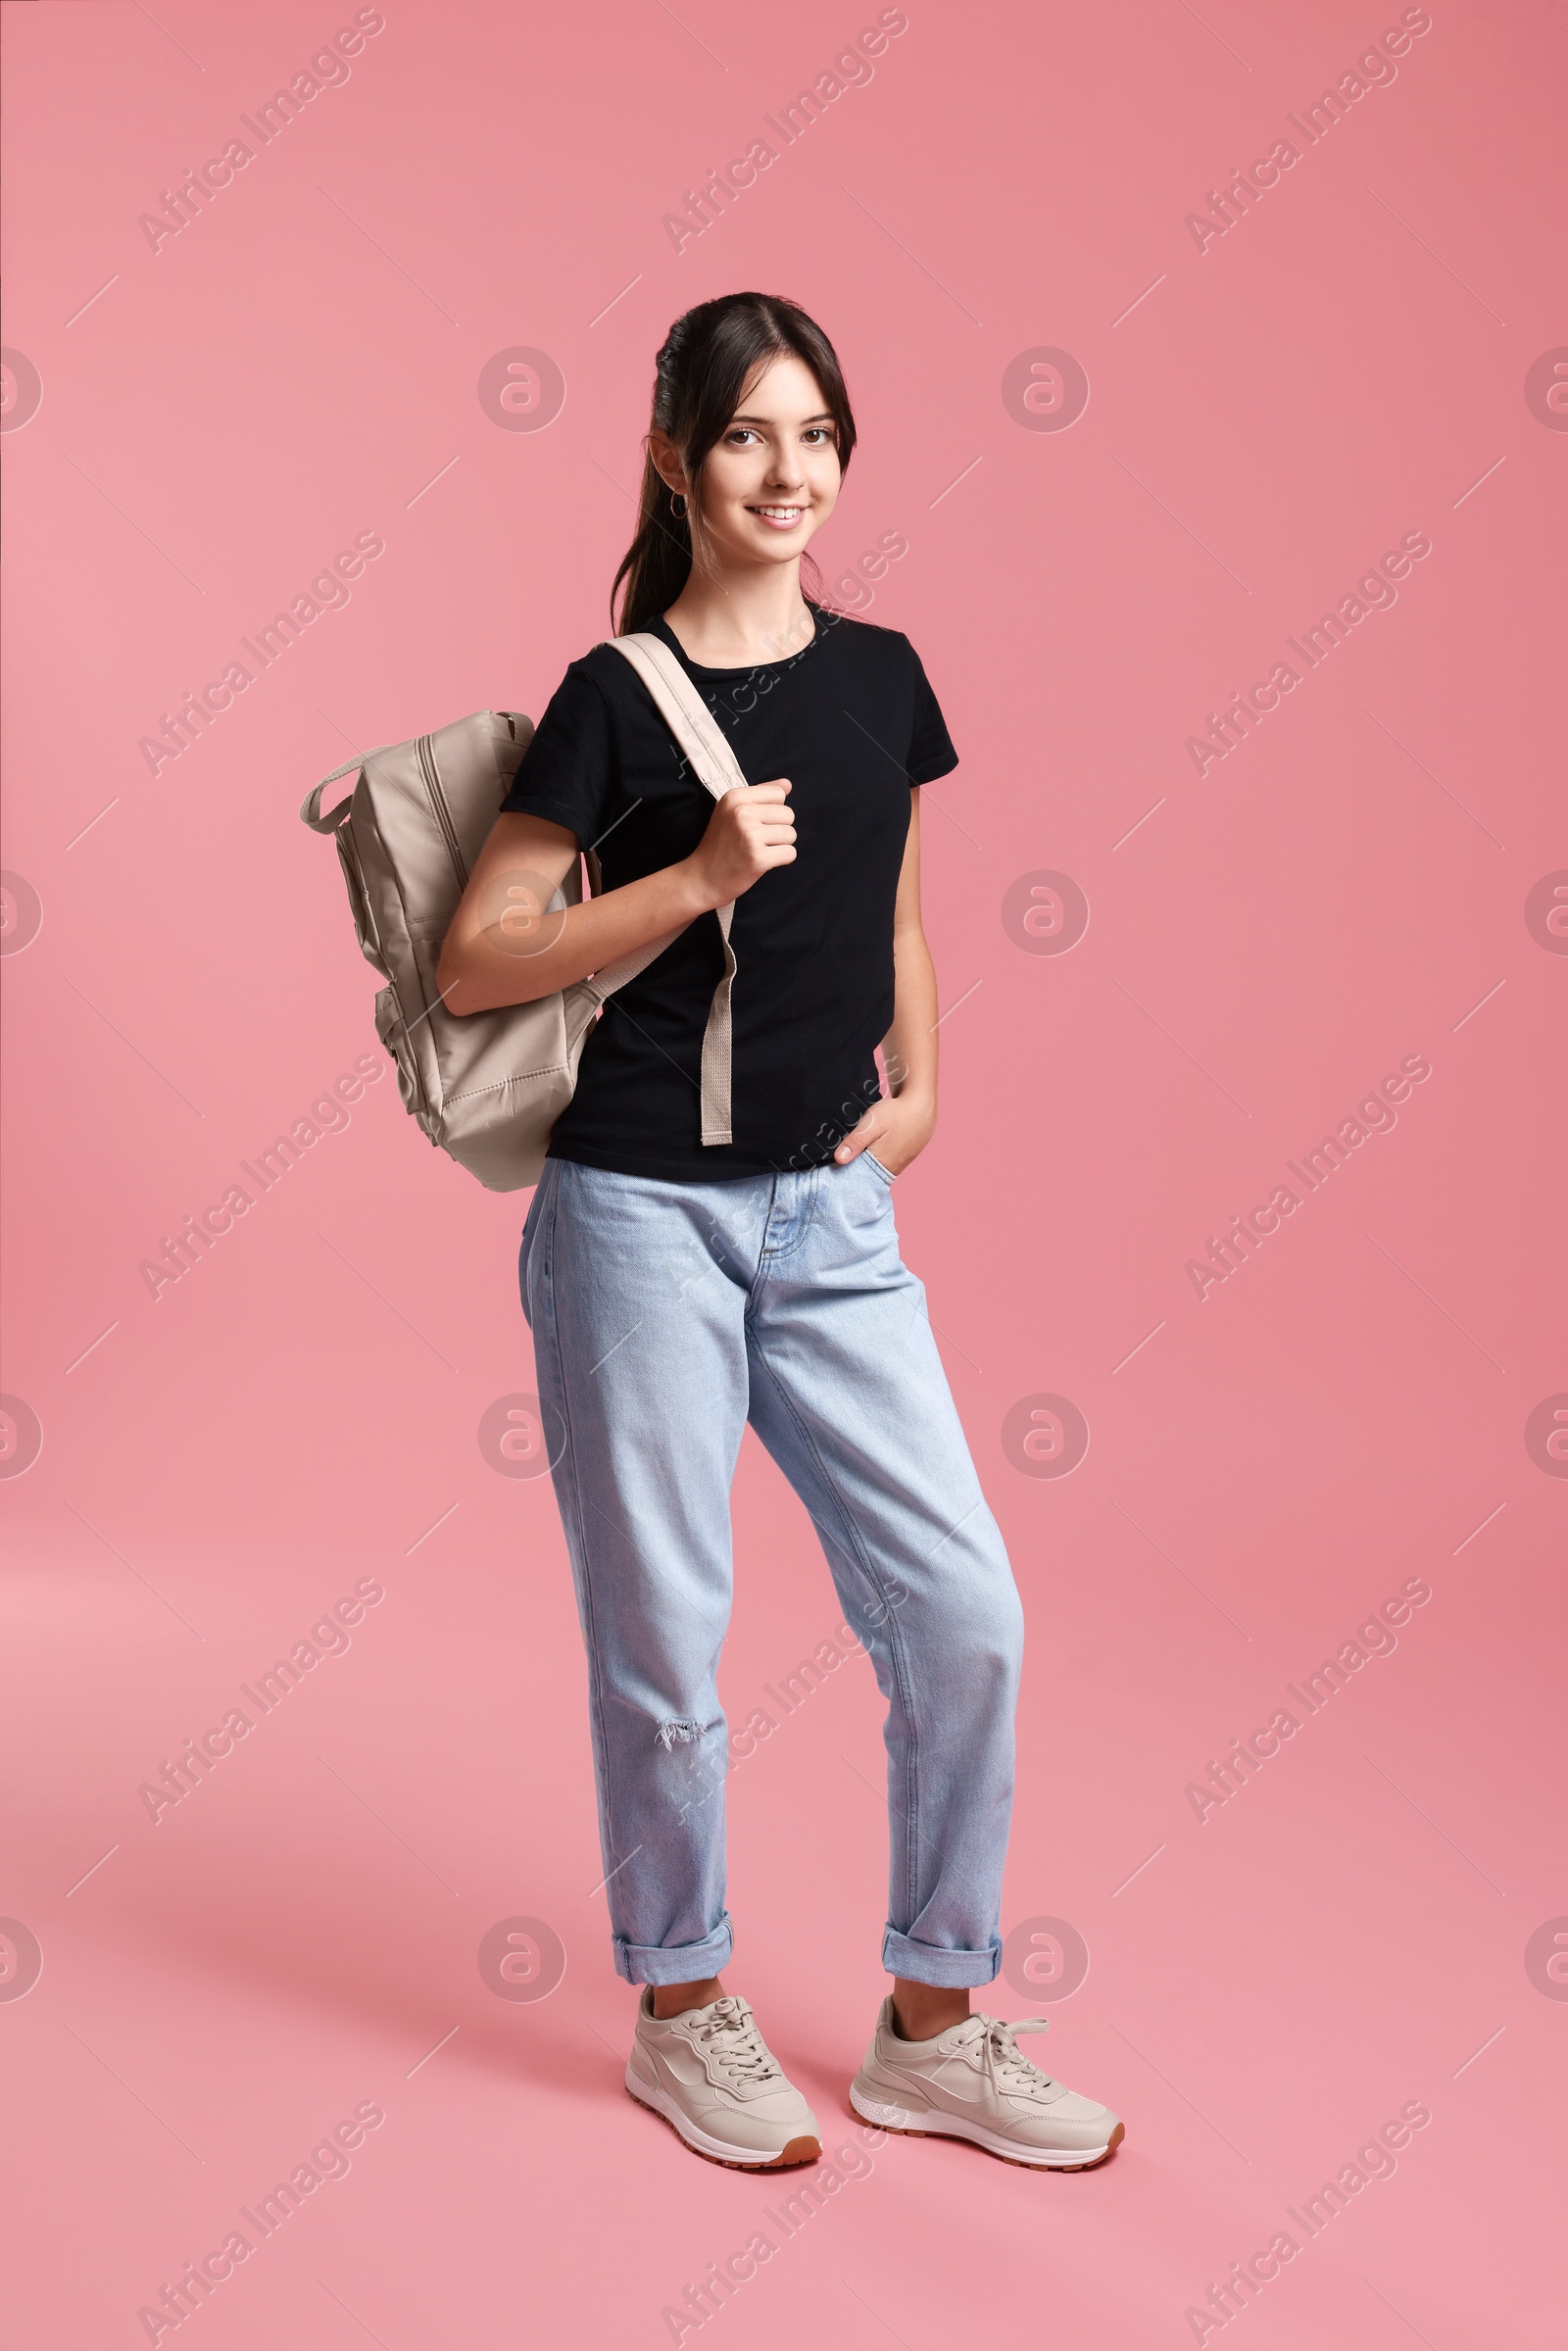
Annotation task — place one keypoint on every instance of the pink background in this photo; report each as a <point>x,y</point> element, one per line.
<point>1266,1988</point>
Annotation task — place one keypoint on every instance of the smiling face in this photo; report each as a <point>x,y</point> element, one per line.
<point>772,479</point>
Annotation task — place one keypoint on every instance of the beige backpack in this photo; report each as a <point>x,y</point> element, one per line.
<point>488,1087</point>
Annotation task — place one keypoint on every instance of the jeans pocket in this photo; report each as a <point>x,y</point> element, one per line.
<point>537,1210</point>
<point>886,1173</point>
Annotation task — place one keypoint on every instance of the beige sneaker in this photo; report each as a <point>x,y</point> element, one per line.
<point>712,2076</point>
<point>973,2081</point>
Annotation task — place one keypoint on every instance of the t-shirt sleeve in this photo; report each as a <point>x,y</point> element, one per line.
<point>931,752</point>
<point>571,771</point>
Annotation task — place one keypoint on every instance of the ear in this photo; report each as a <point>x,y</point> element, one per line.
<point>667,460</point>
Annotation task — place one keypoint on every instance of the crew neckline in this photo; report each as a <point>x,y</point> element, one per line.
<point>742,668</point>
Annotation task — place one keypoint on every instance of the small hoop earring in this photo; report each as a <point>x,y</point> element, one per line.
<point>677,505</point>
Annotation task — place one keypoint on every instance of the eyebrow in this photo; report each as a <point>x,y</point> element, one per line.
<point>823,416</point>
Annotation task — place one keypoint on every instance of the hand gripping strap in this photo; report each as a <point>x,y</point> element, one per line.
<point>701,738</point>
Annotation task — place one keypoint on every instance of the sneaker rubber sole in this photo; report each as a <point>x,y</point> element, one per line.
<point>715,2150</point>
<point>935,2124</point>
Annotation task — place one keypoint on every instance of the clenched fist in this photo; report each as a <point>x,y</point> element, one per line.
<point>748,832</point>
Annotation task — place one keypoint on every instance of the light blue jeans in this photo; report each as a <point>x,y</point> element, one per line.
<point>664,1316</point>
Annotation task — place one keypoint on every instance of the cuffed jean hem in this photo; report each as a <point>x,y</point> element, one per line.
<point>675,1963</point>
<point>924,1963</point>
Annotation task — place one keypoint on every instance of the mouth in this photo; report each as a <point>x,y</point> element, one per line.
<point>778,518</point>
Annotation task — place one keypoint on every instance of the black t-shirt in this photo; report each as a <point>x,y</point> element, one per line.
<point>852,722</point>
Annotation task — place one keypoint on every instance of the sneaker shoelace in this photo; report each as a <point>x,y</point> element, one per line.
<point>1003,2059</point>
<point>727,2030</point>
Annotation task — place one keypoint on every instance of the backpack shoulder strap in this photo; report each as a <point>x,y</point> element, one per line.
<point>683,711</point>
<point>700,736</point>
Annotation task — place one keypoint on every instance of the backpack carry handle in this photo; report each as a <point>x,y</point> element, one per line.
<point>311,805</point>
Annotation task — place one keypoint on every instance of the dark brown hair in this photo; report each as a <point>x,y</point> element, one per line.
<point>708,358</point>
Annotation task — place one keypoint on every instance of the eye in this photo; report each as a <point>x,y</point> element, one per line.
<point>740,432</point>
<point>819,435</point>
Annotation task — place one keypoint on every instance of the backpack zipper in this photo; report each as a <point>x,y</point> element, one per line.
<point>443,815</point>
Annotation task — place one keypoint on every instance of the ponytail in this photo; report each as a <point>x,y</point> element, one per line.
<point>658,562</point>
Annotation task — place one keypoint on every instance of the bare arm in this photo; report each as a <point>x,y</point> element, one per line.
<point>900,1126</point>
<point>504,947</point>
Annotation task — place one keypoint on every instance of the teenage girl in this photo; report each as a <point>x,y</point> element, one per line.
<point>676,1289</point>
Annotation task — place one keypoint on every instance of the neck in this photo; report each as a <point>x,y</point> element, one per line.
<point>737,614</point>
